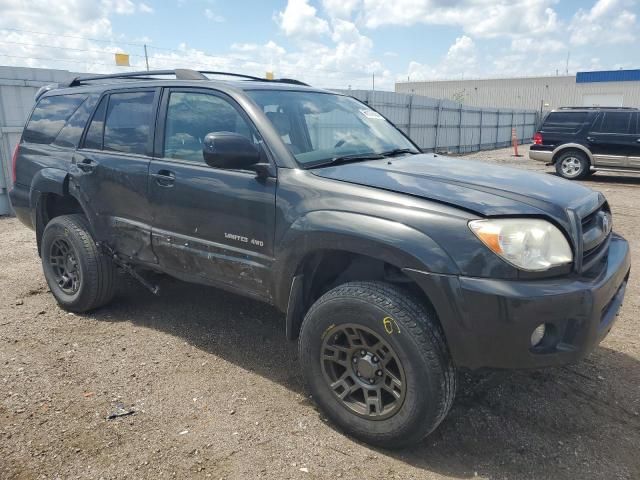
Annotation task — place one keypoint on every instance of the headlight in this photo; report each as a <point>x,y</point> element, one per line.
<point>528,244</point>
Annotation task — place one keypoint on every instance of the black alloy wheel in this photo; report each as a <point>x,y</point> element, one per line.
<point>363,371</point>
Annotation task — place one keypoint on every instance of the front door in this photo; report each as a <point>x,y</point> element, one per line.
<point>209,224</point>
<point>610,138</point>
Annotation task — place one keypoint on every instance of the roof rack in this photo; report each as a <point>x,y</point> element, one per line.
<point>179,73</point>
<point>597,108</point>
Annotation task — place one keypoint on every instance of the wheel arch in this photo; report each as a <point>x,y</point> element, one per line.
<point>568,147</point>
<point>325,249</point>
<point>50,197</point>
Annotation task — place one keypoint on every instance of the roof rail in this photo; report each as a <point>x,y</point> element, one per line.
<point>597,108</point>
<point>179,73</point>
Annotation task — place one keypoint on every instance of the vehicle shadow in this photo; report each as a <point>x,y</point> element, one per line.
<point>580,421</point>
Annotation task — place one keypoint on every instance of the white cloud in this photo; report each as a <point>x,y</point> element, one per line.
<point>481,18</point>
<point>607,22</point>
<point>121,7</point>
<point>214,17</point>
<point>340,8</point>
<point>144,8</point>
<point>299,18</point>
<point>461,60</point>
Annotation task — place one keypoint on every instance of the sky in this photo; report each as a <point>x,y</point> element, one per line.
<point>327,43</point>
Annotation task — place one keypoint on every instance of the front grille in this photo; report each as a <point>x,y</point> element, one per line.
<point>596,232</point>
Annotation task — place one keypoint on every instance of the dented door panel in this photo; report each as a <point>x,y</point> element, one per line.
<point>214,225</point>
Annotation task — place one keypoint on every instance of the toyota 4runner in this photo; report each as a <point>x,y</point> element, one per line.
<point>393,267</point>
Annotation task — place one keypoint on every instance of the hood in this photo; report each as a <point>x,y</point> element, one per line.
<point>485,189</point>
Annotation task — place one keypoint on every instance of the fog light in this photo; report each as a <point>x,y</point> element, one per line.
<point>538,333</point>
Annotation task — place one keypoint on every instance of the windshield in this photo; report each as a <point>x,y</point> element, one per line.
<point>320,127</point>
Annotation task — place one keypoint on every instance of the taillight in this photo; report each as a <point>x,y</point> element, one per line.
<point>537,138</point>
<point>14,161</point>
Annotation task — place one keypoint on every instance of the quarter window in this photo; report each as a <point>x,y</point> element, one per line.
<point>49,116</point>
<point>191,116</point>
<point>70,134</point>
<point>129,122</point>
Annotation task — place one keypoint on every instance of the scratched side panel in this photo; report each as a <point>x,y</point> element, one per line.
<point>214,225</point>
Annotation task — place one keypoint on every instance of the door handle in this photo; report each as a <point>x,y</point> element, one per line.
<point>87,165</point>
<point>637,140</point>
<point>591,140</point>
<point>164,178</point>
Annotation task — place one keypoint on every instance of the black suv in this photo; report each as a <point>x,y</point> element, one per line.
<point>392,266</point>
<point>581,140</point>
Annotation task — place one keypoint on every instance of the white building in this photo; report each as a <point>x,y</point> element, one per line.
<point>615,88</point>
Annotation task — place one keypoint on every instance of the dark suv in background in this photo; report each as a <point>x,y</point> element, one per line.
<point>392,266</point>
<point>581,140</point>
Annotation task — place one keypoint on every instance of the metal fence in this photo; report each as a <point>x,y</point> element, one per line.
<point>447,126</point>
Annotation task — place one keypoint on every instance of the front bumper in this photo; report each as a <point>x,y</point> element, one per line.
<point>488,322</point>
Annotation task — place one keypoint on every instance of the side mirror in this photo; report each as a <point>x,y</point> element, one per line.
<point>229,150</point>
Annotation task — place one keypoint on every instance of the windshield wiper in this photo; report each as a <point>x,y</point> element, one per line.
<point>346,159</point>
<point>398,151</point>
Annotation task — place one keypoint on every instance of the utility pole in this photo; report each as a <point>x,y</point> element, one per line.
<point>373,81</point>
<point>567,67</point>
<point>146,56</point>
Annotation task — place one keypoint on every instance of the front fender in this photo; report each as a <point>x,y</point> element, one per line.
<point>383,239</point>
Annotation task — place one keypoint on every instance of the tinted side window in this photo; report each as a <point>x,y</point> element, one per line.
<point>190,116</point>
<point>565,120</point>
<point>49,116</point>
<point>129,122</point>
<point>614,122</point>
<point>93,139</point>
<point>70,134</point>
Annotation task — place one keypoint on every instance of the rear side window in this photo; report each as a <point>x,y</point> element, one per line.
<point>565,120</point>
<point>613,122</point>
<point>129,122</point>
<point>50,116</point>
<point>70,134</point>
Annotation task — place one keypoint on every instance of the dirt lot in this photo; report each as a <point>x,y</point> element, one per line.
<point>217,393</point>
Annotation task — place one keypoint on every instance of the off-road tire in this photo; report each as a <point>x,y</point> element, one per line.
<point>573,165</point>
<point>416,339</point>
<point>97,273</point>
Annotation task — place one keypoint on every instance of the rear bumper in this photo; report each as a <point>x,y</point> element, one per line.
<point>19,196</point>
<point>541,155</point>
<point>488,322</point>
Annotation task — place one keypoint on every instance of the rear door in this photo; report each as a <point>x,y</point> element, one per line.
<point>610,139</point>
<point>209,224</point>
<point>111,169</point>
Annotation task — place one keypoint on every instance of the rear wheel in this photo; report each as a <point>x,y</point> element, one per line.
<point>80,277</point>
<point>377,364</point>
<point>573,165</point>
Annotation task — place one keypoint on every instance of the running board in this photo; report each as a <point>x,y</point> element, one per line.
<point>618,170</point>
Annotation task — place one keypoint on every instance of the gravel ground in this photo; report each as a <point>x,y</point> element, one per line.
<point>216,391</point>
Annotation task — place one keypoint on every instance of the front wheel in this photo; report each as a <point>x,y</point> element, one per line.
<point>377,364</point>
